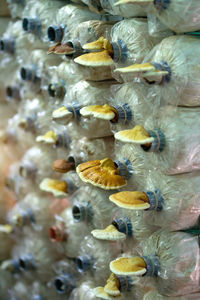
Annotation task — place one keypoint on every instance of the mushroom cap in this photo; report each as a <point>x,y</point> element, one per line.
<point>136,135</point>
<point>62,166</point>
<point>61,49</point>
<point>50,137</point>
<point>128,266</point>
<point>101,173</point>
<point>104,112</point>
<point>62,113</point>
<point>112,286</point>
<point>100,44</point>
<point>137,68</point>
<point>56,187</point>
<point>95,59</point>
<point>135,200</point>
<point>100,293</point>
<point>110,233</point>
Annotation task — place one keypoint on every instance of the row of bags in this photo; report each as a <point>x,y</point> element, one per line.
<point>168,139</point>
<point>177,15</point>
<point>167,261</point>
<point>167,67</point>
<point>177,202</point>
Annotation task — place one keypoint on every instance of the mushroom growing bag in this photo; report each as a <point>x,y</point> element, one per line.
<point>166,201</point>
<point>171,259</point>
<point>129,43</point>
<point>170,141</point>
<point>172,70</point>
<point>178,15</point>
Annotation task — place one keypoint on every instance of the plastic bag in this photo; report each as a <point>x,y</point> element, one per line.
<point>157,28</point>
<point>180,16</point>
<point>166,201</point>
<point>154,295</point>
<point>126,11</point>
<point>71,72</point>
<point>127,227</point>
<point>36,163</point>
<point>16,7</point>
<point>13,135</point>
<point>15,43</point>
<point>31,212</point>
<point>34,68</point>
<point>34,114</point>
<point>84,291</point>
<point>91,206</point>
<point>94,257</point>
<point>67,19</point>
<point>120,49</point>
<point>66,278</point>
<point>171,259</point>
<point>90,31</point>
<point>179,263</point>
<point>68,234</point>
<point>32,255</point>
<point>175,146</point>
<point>78,95</point>
<point>172,70</point>
<point>82,149</point>
<point>132,36</point>
<point>37,16</point>
<point>180,206</point>
<point>125,105</point>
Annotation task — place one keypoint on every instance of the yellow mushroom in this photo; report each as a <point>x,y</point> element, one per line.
<point>50,137</point>
<point>95,59</point>
<point>137,68</point>
<point>128,266</point>
<point>102,56</point>
<point>100,44</point>
<point>102,173</point>
<point>136,135</point>
<point>56,187</point>
<point>112,286</point>
<point>100,293</point>
<point>62,113</point>
<point>135,200</point>
<point>104,112</point>
<point>110,233</point>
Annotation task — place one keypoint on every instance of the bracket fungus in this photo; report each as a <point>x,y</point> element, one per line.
<point>50,137</point>
<point>136,135</point>
<point>118,230</point>
<point>56,187</point>
<point>129,266</point>
<point>101,173</point>
<point>101,57</point>
<point>134,200</point>
<point>63,166</point>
